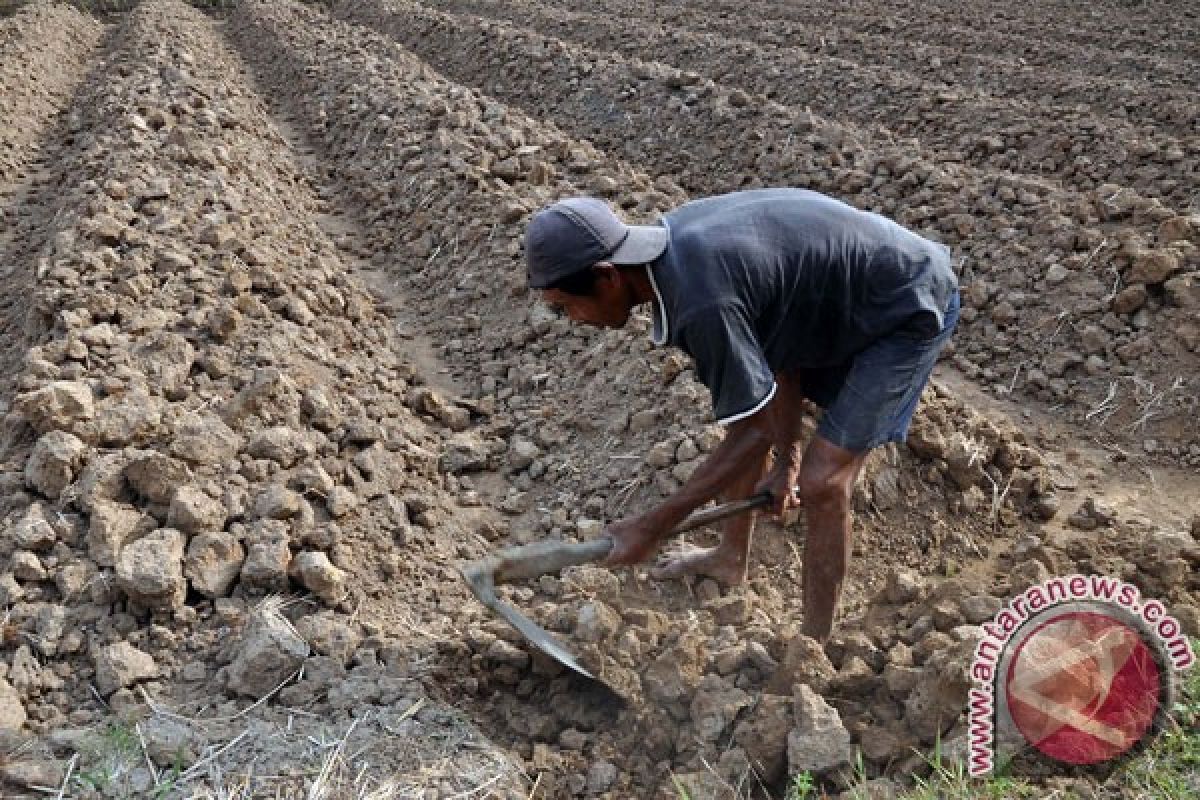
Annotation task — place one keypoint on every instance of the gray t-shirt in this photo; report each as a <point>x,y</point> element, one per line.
<point>760,282</point>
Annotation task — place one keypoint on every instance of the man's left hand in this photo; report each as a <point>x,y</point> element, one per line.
<point>635,539</point>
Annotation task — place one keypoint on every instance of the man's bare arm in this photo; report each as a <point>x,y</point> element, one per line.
<point>747,442</point>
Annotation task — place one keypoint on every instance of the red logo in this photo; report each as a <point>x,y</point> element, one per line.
<point>1083,687</point>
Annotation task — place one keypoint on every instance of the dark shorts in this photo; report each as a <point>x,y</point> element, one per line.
<point>871,400</point>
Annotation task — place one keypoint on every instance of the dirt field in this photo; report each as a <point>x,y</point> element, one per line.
<point>269,373</point>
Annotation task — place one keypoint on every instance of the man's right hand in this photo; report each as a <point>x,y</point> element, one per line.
<point>635,539</point>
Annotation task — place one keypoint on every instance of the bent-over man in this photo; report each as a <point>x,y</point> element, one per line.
<point>777,295</point>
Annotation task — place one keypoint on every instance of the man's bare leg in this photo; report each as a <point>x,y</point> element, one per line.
<point>727,561</point>
<point>828,475</point>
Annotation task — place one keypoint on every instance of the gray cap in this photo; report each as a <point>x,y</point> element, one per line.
<point>573,234</point>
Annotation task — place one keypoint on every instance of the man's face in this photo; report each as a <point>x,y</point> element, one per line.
<point>608,306</point>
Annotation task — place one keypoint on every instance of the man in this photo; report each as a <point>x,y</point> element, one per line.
<point>777,295</point>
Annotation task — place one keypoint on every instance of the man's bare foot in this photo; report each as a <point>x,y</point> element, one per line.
<point>713,562</point>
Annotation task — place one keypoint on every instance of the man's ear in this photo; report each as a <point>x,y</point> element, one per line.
<point>605,271</point>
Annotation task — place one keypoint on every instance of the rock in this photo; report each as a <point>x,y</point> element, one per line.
<point>330,634</point>
<point>12,711</point>
<point>33,531</point>
<point>192,511</point>
<point>224,322</point>
<point>705,783</point>
<point>311,479</point>
<point>805,662</point>
<point>51,623</point>
<point>1090,515</point>
<point>673,676</point>
<point>341,501</point>
<point>121,665</point>
<point>27,567</point>
<point>855,677</point>
<point>1187,615</point>
<point>54,463</point>
<point>1130,299</point>
<point>965,460</point>
<point>465,452</point>
<point>270,652</point>
<point>940,694</point>
<point>127,418</point>
<point>729,660</point>
<point>596,622</point>
<point>715,706</point>
<point>315,572</point>
<point>764,735</point>
<point>213,563</point>
<point>819,743</point>
<point>1178,229</point>
<point>102,480</point>
<point>1057,273</point>
<point>170,741</point>
<point>150,570</point>
<point>506,654</point>
<point>925,440</point>
<point>883,745</point>
<point>1184,290</point>
<point>661,455</point>
<point>1164,545</point>
<point>757,656</point>
<point>279,444</point>
<point>267,557</point>
<point>166,359</point>
<point>10,591</point>
<point>643,420</point>
<point>320,409</point>
<point>900,679</point>
<point>271,395</point>
<point>1093,339</point>
<point>521,453</point>
<point>980,608</point>
<point>41,774</point>
<point>903,586</point>
<point>1153,266</point>
<point>57,406</point>
<point>111,528</point>
<point>156,476</point>
<point>278,502</point>
<point>733,609</point>
<point>601,776</point>
<point>202,438</point>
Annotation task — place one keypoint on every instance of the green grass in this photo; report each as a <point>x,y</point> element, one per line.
<point>1170,767</point>
<point>109,757</point>
<point>683,793</point>
<point>803,787</point>
<point>949,780</point>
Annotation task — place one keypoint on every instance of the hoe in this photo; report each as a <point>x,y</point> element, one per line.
<point>532,560</point>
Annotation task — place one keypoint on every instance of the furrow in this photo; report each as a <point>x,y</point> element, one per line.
<point>982,53</point>
<point>45,52</point>
<point>444,177</point>
<point>1062,141</point>
<point>1042,266</point>
<point>1146,29</point>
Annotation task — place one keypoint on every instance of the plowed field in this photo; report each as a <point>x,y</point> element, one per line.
<point>269,373</point>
